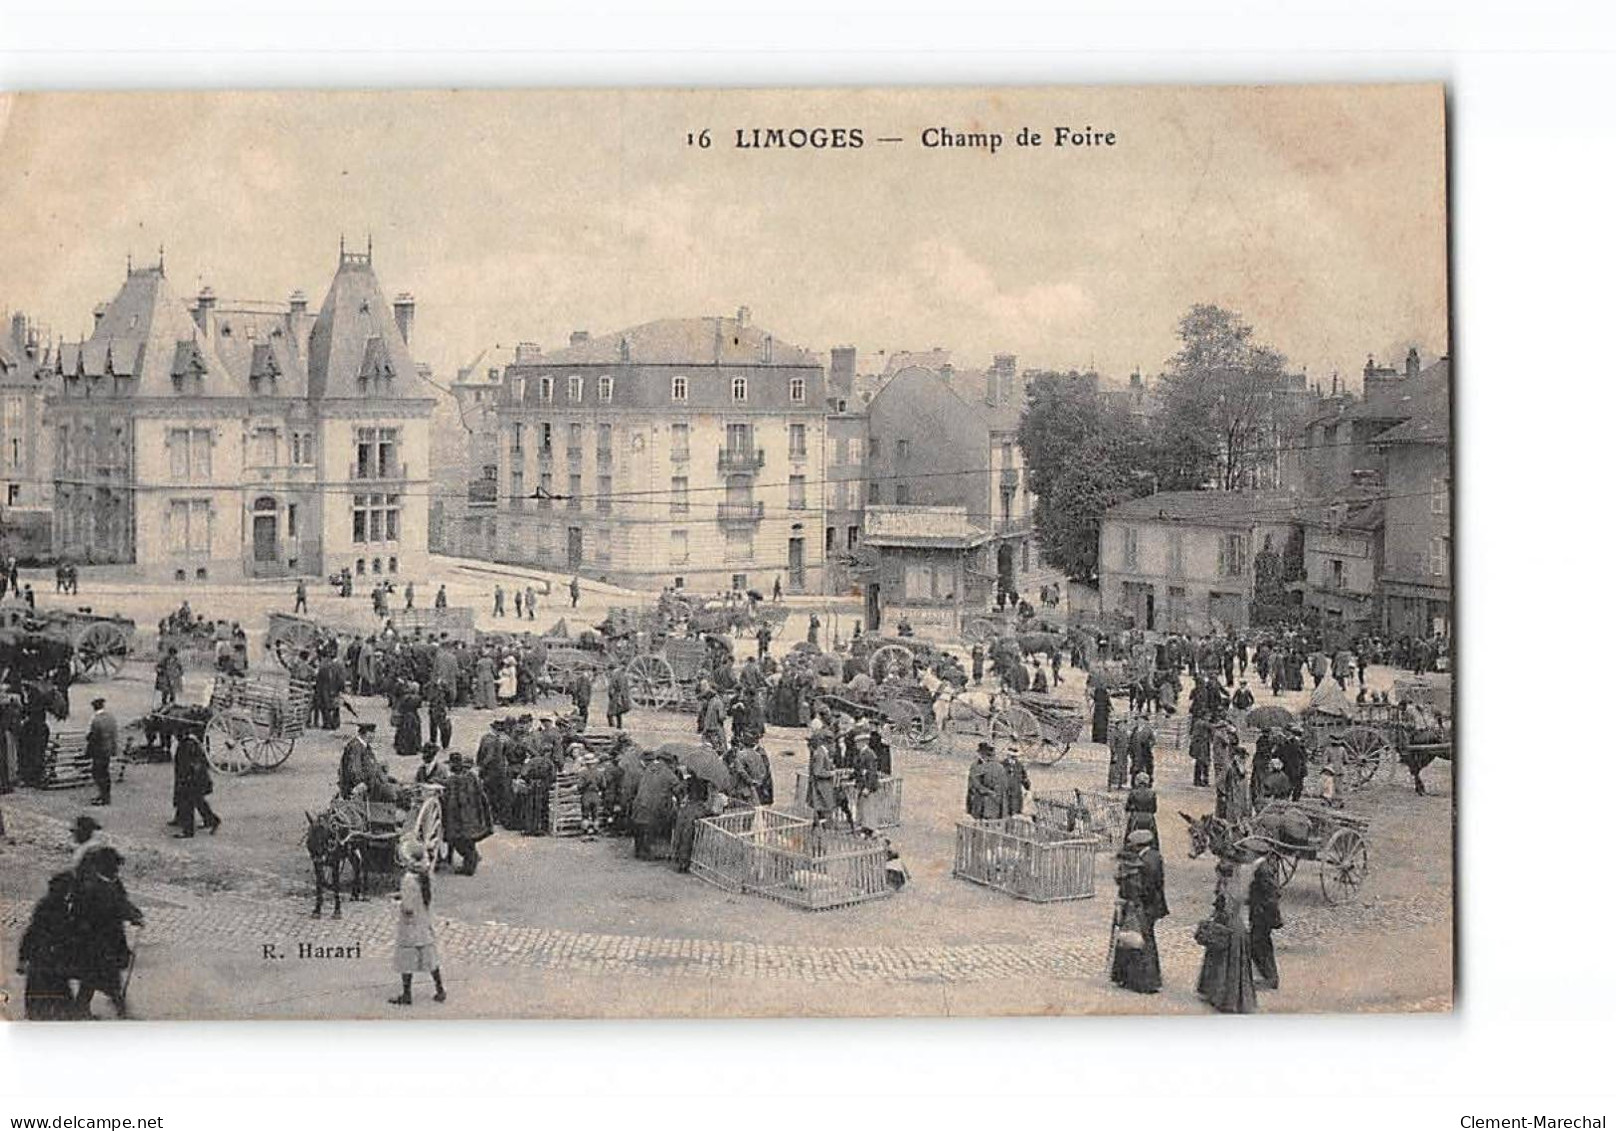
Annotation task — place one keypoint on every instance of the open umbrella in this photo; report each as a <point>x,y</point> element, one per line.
<point>1269,717</point>
<point>701,761</point>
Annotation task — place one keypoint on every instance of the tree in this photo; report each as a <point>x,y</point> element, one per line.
<point>1082,458</point>
<point>1218,396</point>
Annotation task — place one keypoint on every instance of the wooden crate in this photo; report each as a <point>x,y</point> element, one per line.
<point>67,766</point>
<point>882,809</point>
<point>1078,814</point>
<point>1022,858</point>
<point>566,811</point>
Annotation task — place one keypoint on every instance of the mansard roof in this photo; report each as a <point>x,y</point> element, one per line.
<point>355,348</point>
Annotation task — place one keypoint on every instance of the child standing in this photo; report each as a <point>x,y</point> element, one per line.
<point>416,951</point>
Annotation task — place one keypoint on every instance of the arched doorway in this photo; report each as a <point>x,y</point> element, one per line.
<point>1007,568</point>
<point>266,532</point>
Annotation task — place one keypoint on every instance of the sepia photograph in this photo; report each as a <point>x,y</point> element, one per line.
<point>726,553</point>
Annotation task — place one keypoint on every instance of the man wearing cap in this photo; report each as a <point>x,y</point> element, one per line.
<point>1293,756</point>
<point>1016,782</point>
<point>494,770</point>
<point>431,771</point>
<point>653,804</point>
<point>358,760</point>
<point>1262,912</point>
<point>193,781</point>
<point>467,817</point>
<point>100,745</point>
<point>821,776</point>
<point>985,787</point>
<point>619,697</point>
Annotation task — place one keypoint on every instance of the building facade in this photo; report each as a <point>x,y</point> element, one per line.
<point>1417,581</point>
<point>1343,552</point>
<point>847,432</point>
<point>464,517</point>
<point>224,440</point>
<point>684,452</point>
<point>1184,561</point>
<point>26,378</point>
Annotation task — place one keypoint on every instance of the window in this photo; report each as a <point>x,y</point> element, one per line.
<point>1439,557</point>
<point>291,520</point>
<point>546,489</point>
<point>841,404</point>
<point>875,447</point>
<point>190,526</point>
<point>679,439</point>
<point>903,449</point>
<point>575,388</point>
<point>797,493</point>
<point>518,488</point>
<point>190,454</point>
<point>738,544</point>
<point>830,539</point>
<point>603,545</point>
<point>1175,551</point>
<point>575,490</point>
<point>13,494</point>
<point>603,494</point>
<point>799,390</point>
<point>1007,453</point>
<point>516,439</point>
<point>375,453</point>
<point>1130,547</point>
<point>546,389</point>
<point>875,492</point>
<point>603,444</point>
<point>16,452</point>
<point>302,448</point>
<point>265,447</point>
<point>678,547</point>
<point>575,441</point>
<point>375,519</point>
<point>603,390</point>
<point>679,389</point>
<point>1232,555</point>
<point>680,503</point>
<point>737,389</point>
<point>738,437</point>
<point>799,441</point>
<point>854,450</point>
<point>903,494</point>
<point>841,495</point>
<point>1338,573</point>
<point>1439,494</point>
<point>840,450</point>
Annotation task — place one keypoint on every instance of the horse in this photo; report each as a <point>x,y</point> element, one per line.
<point>1277,826</point>
<point>954,703</point>
<point>1040,643</point>
<point>330,842</point>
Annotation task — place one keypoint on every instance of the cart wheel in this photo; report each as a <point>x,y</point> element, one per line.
<point>651,682</point>
<point>102,650</point>
<point>979,630</point>
<point>429,825</point>
<point>228,742</point>
<point>291,639</point>
<point>1343,866</point>
<point>1048,753</point>
<point>1286,864</point>
<point>1016,724</point>
<point>1366,747</point>
<point>906,722</point>
<point>891,660</point>
<point>271,750</point>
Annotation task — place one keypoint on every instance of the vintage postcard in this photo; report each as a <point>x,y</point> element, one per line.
<point>715,553</point>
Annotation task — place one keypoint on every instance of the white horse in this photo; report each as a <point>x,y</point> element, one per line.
<point>954,705</point>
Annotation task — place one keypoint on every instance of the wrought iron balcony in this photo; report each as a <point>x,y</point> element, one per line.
<point>740,460</point>
<point>740,512</point>
<point>392,472</point>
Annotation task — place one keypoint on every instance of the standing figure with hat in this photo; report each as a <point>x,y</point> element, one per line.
<point>1225,982</point>
<point>654,804</point>
<point>619,697</point>
<point>407,720</point>
<point>1016,782</point>
<point>589,779</point>
<point>467,816</point>
<point>416,944</point>
<point>45,955</point>
<point>986,786</point>
<point>101,907</point>
<point>1141,902</point>
<point>1262,912</point>
<point>493,768</point>
<point>1140,807</point>
<point>1332,773</point>
<point>193,781</point>
<point>358,760</point>
<point>1234,789</point>
<point>1142,748</point>
<point>1118,738</point>
<point>1292,753</point>
<point>821,776</point>
<point>583,690</point>
<point>100,745</point>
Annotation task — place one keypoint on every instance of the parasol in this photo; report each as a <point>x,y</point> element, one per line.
<point>700,761</point>
<point>1269,717</point>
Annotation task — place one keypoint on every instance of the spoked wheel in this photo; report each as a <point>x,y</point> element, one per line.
<point>891,661</point>
<point>229,743</point>
<point>651,682</point>
<point>1366,748</point>
<point>270,749</point>
<point>428,826</point>
<point>906,724</point>
<point>1016,724</point>
<point>1286,865</point>
<point>979,630</point>
<point>1343,866</point>
<point>102,650</point>
<point>291,639</point>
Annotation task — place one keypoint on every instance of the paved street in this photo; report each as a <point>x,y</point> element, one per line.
<point>564,927</point>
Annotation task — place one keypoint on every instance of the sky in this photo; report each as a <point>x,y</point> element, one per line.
<point>1317,212</point>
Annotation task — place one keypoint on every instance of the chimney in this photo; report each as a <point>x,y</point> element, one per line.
<point>529,352</point>
<point>404,314</point>
<point>206,300</point>
<point>1002,379</point>
<point>947,372</point>
<point>843,362</point>
<point>577,338</point>
<point>1136,380</point>
<point>1411,364</point>
<point>19,329</point>
<point>768,349</point>
<point>297,304</point>
<point>743,316</point>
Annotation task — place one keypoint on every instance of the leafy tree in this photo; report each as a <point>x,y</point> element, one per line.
<point>1217,414</point>
<point>1083,457</point>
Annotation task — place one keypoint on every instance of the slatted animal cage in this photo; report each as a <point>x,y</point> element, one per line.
<point>782,857</point>
<point>723,852</point>
<point>1077,814</point>
<point>1022,858</point>
<point>566,811</point>
<point>67,765</point>
<point>882,809</point>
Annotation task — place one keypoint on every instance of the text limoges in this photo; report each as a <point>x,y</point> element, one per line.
<point>799,137</point>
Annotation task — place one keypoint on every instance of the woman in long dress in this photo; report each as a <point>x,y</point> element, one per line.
<point>416,943</point>
<point>1226,982</point>
<point>407,722</point>
<point>1141,900</point>
<point>1102,711</point>
<point>1141,808</point>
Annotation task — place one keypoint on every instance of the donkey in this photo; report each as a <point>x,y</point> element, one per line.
<point>330,844</point>
<point>1211,833</point>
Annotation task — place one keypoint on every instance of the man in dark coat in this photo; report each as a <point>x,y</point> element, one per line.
<point>1101,695</point>
<point>99,746</point>
<point>978,657</point>
<point>45,955</point>
<point>619,697</point>
<point>193,781</point>
<point>1264,917</point>
<point>1016,782</point>
<point>101,907</point>
<point>1292,754</point>
<point>440,728</point>
<point>329,681</point>
<point>652,812</point>
<point>986,786</point>
<point>711,724</point>
<point>1142,750</point>
<point>467,817</point>
<point>495,772</point>
<point>583,689</point>
<point>360,767</point>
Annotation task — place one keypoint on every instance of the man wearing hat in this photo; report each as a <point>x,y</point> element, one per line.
<point>1292,754</point>
<point>431,771</point>
<point>358,762</point>
<point>1331,772</point>
<point>467,817</point>
<point>653,803</point>
<point>1273,785</point>
<point>986,786</point>
<point>100,745</point>
<point>193,781</point>
<point>1262,911</point>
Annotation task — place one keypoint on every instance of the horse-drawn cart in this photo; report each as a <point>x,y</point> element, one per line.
<point>1337,841</point>
<point>254,721</point>
<point>1060,723</point>
<point>667,678</point>
<point>289,636</point>
<point>99,645</point>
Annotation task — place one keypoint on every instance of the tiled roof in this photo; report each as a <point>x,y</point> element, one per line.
<point>684,341</point>
<point>1213,508</point>
<point>355,348</point>
<point>1428,409</point>
<point>144,333</point>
